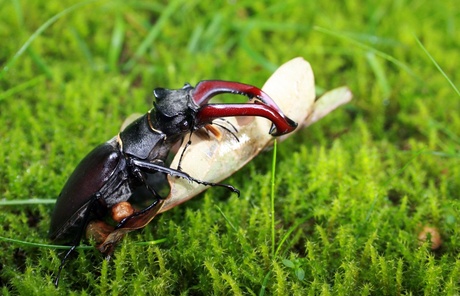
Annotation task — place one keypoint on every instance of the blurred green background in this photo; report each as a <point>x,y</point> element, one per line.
<point>353,192</point>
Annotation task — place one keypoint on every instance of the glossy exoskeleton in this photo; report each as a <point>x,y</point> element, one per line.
<point>110,173</point>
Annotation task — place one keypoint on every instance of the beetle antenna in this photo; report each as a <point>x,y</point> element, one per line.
<point>189,142</point>
<point>227,129</point>
<point>229,123</point>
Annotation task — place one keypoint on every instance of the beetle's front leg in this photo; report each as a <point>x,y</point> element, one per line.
<point>152,168</point>
<point>138,173</point>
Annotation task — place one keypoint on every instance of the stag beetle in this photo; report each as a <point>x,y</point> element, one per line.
<point>110,173</point>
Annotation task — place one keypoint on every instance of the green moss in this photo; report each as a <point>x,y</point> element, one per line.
<point>352,192</point>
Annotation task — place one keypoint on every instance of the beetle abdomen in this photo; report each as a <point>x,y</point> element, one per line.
<point>92,173</point>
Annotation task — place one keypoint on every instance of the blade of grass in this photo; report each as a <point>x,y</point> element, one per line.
<point>379,74</point>
<point>116,43</point>
<point>63,247</point>
<point>444,128</point>
<point>287,234</point>
<point>20,87</point>
<point>247,27</point>
<point>369,48</point>
<point>31,201</point>
<point>39,245</point>
<point>149,243</point>
<point>442,154</point>
<point>40,62</point>
<point>256,56</point>
<point>272,218</point>
<point>33,54</point>
<point>153,34</point>
<point>39,31</point>
<point>264,284</point>
<point>272,198</point>
<point>437,66</point>
<point>84,48</point>
<point>226,219</point>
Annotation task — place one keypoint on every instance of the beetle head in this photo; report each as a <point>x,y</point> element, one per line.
<point>175,111</point>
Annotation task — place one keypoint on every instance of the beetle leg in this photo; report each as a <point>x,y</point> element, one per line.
<point>282,124</point>
<point>138,216</point>
<point>141,218</point>
<point>138,173</point>
<point>61,266</point>
<point>135,221</point>
<point>152,168</point>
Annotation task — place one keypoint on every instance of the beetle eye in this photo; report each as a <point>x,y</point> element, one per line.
<point>184,125</point>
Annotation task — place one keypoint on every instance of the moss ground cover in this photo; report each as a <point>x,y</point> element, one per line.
<point>352,193</point>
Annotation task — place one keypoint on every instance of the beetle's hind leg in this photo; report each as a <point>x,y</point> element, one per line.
<point>141,218</point>
<point>134,221</point>
<point>61,266</point>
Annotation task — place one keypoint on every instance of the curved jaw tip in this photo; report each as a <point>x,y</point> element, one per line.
<point>290,127</point>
